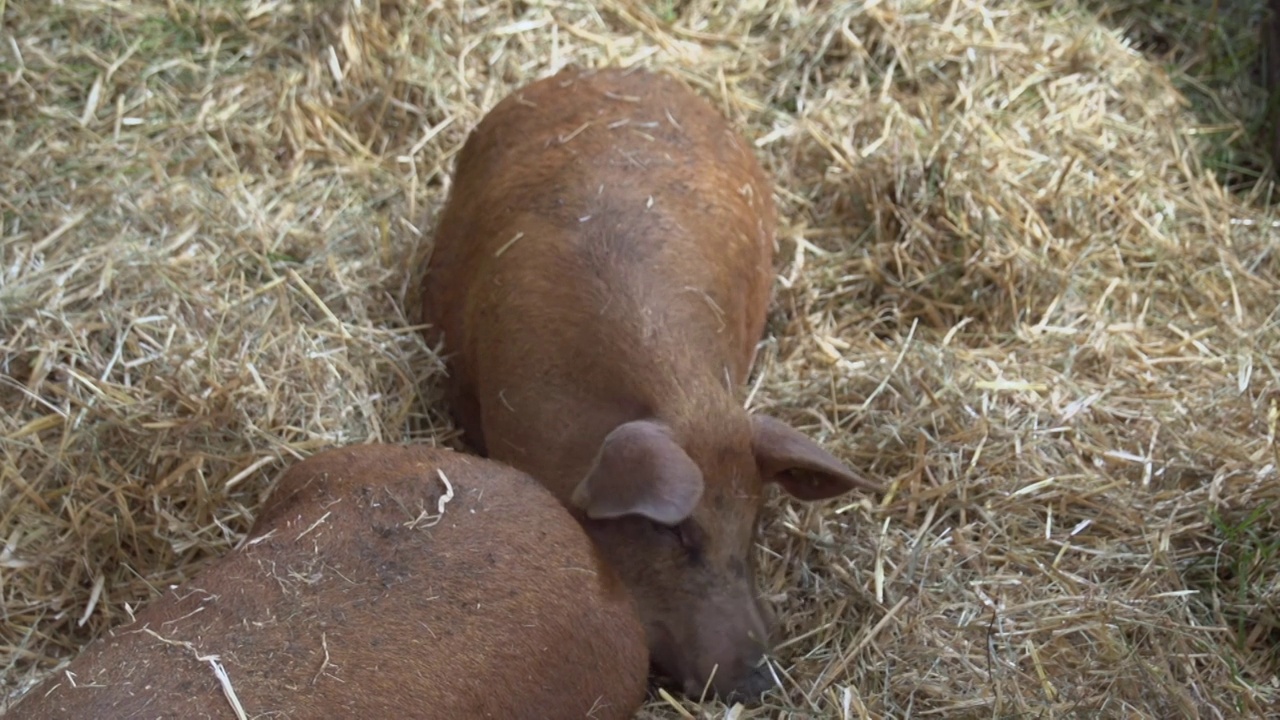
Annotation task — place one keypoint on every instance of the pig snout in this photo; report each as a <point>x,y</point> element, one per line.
<point>724,653</point>
<point>734,660</point>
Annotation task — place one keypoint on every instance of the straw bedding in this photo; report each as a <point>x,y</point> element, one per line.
<point>1027,275</point>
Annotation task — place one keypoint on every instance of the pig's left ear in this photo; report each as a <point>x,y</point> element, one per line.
<point>806,471</point>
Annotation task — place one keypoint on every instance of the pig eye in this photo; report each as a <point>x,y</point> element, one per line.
<point>687,533</point>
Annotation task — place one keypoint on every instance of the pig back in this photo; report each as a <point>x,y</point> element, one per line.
<point>588,198</point>
<point>356,597</point>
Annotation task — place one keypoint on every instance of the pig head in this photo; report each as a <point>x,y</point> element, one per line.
<point>677,518</point>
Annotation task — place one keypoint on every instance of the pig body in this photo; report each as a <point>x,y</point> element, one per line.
<point>599,281</point>
<point>347,601</point>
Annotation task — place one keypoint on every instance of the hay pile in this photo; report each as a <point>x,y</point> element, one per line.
<point>1009,284</point>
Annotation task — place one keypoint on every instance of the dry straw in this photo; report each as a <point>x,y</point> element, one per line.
<point>1007,285</point>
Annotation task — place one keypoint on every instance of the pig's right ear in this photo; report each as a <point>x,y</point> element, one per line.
<point>640,470</point>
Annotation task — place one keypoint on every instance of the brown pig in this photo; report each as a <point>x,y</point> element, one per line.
<point>379,582</point>
<point>599,281</point>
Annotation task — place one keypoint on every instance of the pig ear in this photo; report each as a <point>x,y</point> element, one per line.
<point>806,471</point>
<point>640,470</point>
